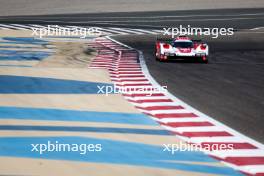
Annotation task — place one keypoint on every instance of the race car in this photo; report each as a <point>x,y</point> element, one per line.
<point>181,47</point>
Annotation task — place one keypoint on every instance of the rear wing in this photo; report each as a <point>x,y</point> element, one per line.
<point>168,39</point>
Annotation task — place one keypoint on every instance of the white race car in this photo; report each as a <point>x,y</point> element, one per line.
<point>182,47</point>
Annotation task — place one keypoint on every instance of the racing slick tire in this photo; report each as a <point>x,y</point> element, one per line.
<point>204,59</point>
<point>158,56</point>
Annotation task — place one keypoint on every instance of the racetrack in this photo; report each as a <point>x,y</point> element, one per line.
<point>229,88</point>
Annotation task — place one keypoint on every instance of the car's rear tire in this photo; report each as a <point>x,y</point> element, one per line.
<point>204,60</point>
<point>158,57</point>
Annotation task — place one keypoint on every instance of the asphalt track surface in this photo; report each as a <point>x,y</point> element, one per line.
<point>230,88</point>
<point>236,18</point>
<point>35,7</point>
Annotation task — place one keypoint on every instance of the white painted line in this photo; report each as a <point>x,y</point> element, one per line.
<point>72,26</point>
<point>117,72</point>
<point>154,112</point>
<point>257,28</point>
<point>3,27</point>
<point>147,98</point>
<point>133,82</point>
<point>119,75</point>
<point>134,88</point>
<point>38,26</point>
<point>238,153</point>
<point>128,78</point>
<point>252,169</point>
<point>145,31</point>
<point>23,27</point>
<point>126,30</point>
<point>186,119</point>
<point>154,104</point>
<point>8,26</point>
<point>193,129</point>
<point>113,31</point>
<point>214,139</point>
<point>158,31</point>
<point>126,69</point>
